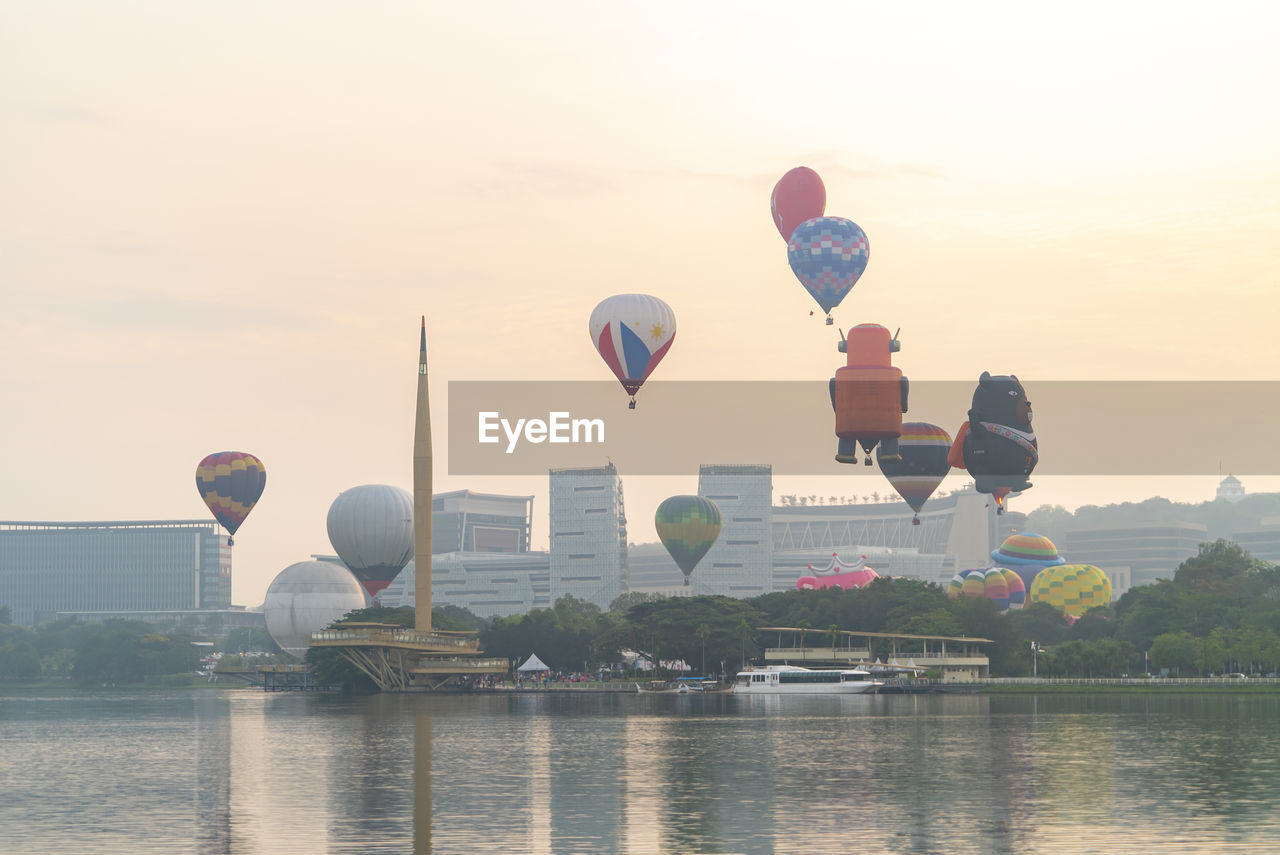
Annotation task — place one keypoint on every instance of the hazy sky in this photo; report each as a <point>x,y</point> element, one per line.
<point>219,223</point>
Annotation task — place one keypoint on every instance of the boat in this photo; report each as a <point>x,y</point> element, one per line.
<point>794,680</point>
<point>679,686</point>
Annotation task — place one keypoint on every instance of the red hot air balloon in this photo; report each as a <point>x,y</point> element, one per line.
<point>798,196</point>
<point>230,483</point>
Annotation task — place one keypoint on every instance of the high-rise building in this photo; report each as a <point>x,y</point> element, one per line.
<point>487,584</point>
<point>463,521</point>
<point>1150,551</point>
<point>1262,542</point>
<point>740,562</point>
<point>588,535</point>
<point>145,566</point>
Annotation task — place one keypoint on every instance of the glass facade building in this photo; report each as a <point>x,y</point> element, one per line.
<point>158,565</point>
<point>463,521</point>
<point>588,535</point>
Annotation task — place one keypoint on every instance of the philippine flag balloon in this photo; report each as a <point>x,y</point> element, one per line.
<point>798,196</point>
<point>827,255</point>
<point>632,332</point>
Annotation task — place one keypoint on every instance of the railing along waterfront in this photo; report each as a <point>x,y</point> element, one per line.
<point>1160,682</point>
<point>393,636</point>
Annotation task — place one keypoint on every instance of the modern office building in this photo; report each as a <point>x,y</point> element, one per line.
<point>740,562</point>
<point>652,570</point>
<point>1262,542</point>
<point>1150,551</point>
<point>588,535</point>
<point>155,566</point>
<point>485,583</point>
<point>463,521</point>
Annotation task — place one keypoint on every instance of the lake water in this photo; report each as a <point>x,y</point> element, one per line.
<point>242,771</point>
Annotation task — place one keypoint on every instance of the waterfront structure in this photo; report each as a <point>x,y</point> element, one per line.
<point>1150,551</point>
<point>465,521</point>
<point>418,659</point>
<point>488,584</point>
<point>116,567</point>
<point>588,535</point>
<point>740,562</point>
<point>957,660</point>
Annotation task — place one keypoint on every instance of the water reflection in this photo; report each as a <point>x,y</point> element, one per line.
<point>245,772</point>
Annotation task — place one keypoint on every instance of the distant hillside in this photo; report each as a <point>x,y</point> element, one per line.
<point>1222,518</point>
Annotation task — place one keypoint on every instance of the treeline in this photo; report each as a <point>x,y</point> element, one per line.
<point>1220,613</point>
<point>114,652</point>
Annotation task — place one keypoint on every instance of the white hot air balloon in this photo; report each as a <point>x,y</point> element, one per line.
<point>371,529</point>
<point>632,332</point>
<point>305,598</point>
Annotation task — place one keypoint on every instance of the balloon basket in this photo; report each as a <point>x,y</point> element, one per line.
<point>829,321</point>
<point>632,404</point>
<point>867,462</point>
<point>231,541</point>
<point>915,521</point>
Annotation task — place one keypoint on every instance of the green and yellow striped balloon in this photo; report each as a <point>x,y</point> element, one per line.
<point>1072,588</point>
<point>687,526</point>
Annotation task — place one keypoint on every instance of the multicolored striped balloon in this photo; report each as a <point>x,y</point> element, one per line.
<point>632,332</point>
<point>1073,589</point>
<point>1027,554</point>
<point>923,450</point>
<point>827,255</point>
<point>687,526</point>
<point>995,583</point>
<point>230,482</point>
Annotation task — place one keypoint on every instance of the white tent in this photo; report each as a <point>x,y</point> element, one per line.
<point>533,663</point>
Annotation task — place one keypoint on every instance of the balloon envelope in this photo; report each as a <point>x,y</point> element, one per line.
<point>827,255</point>
<point>923,449</point>
<point>798,196</point>
<point>230,482</point>
<point>632,333</point>
<point>1073,589</point>
<point>371,529</point>
<point>687,527</point>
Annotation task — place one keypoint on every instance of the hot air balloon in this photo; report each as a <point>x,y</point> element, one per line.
<point>997,444</point>
<point>921,464</point>
<point>994,583</point>
<point>632,332</point>
<point>827,255</point>
<point>798,196</point>
<point>230,482</point>
<point>1027,554</point>
<point>687,527</point>
<point>868,394</point>
<point>838,574</point>
<point>1073,589</point>
<point>371,529</point>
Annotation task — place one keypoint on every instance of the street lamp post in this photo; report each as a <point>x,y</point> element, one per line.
<point>1035,660</point>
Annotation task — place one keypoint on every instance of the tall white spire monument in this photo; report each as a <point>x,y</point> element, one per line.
<point>422,496</point>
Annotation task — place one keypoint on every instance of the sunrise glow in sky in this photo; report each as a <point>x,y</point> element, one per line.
<point>220,223</point>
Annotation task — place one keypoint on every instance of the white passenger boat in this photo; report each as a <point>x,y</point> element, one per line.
<point>793,680</point>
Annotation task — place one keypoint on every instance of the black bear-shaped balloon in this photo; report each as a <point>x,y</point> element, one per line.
<point>997,444</point>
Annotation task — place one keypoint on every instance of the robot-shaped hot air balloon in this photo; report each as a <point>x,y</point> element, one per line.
<point>869,395</point>
<point>997,444</point>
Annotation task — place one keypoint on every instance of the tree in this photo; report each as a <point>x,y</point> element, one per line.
<point>703,632</point>
<point>1175,650</point>
<point>5,615</point>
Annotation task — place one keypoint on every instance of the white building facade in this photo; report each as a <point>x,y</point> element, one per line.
<point>588,535</point>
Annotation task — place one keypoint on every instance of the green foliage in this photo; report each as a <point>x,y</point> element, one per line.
<point>120,651</point>
<point>623,602</point>
<point>19,659</point>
